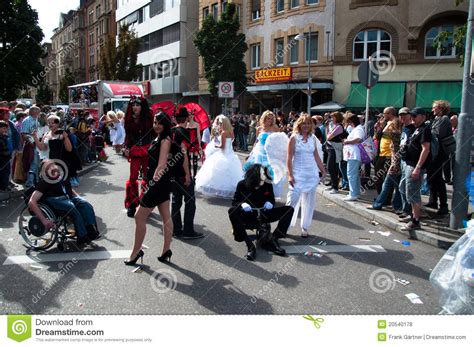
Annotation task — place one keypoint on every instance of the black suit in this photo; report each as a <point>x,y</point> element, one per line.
<point>256,198</point>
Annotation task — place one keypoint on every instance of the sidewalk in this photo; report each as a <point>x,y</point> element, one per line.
<point>4,197</point>
<point>435,229</point>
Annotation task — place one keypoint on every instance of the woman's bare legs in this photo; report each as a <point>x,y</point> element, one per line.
<point>141,217</point>
<point>164,209</point>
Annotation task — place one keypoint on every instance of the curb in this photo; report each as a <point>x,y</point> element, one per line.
<point>18,193</point>
<point>438,238</point>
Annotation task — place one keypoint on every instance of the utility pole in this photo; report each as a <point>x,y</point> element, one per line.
<point>462,167</point>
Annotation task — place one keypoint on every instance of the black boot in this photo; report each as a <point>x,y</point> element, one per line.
<point>131,211</point>
<point>275,247</point>
<point>251,253</point>
<point>92,232</point>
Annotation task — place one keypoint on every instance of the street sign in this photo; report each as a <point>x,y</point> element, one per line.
<point>368,75</point>
<point>226,89</point>
<point>235,103</point>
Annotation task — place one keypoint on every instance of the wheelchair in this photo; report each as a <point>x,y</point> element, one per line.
<point>36,236</point>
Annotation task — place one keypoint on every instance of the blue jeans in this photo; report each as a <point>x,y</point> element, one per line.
<point>32,177</point>
<point>353,176</point>
<point>406,206</point>
<point>81,212</point>
<point>343,169</point>
<point>390,182</point>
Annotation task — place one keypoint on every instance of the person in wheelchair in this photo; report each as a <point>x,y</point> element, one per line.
<point>255,192</point>
<point>57,193</point>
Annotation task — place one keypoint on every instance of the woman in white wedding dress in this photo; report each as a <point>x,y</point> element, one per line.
<point>222,170</point>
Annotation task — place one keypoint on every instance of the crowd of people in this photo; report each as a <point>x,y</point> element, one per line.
<point>414,153</point>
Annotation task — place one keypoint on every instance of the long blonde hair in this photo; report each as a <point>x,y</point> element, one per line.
<point>225,122</point>
<point>303,118</point>
<point>264,117</point>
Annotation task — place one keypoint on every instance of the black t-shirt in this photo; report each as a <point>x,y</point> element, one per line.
<point>179,135</point>
<point>413,148</point>
<point>54,189</point>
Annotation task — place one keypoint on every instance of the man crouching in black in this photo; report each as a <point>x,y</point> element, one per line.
<point>253,192</point>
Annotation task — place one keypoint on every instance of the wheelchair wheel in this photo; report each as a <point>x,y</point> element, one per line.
<point>33,232</point>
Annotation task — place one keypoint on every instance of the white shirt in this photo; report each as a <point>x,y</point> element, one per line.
<point>352,152</point>
<point>206,136</point>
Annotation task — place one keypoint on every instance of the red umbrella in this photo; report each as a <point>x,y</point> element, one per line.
<point>200,115</point>
<point>166,106</point>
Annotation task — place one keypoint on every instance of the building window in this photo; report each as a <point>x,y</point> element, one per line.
<point>255,56</point>
<point>447,50</point>
<point>156,7</point>
<point>223,6</point>
<point>91,38</point>
<point>280,5</point>
<point>146,71</point>
<point>370,42</point>
<point>312,2</point>
<point>91,17</point>
<point>215,11</point>
<point>255,9</point>
<point>294,46</point>
<point>205,12</point>
<point>279,52</point>
<point>311,49</point>
<point>97,12</point>
<point>159,38</point>
<point>141,13</point>
<point>294,3</point>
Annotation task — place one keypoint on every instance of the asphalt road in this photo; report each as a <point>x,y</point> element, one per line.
<point>210,275</point>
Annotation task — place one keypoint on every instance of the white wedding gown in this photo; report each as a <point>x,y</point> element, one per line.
<point>220,173</point>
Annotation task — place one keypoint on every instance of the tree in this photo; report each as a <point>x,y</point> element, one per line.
<point>222,49</point>
<point>20,47</point>
<point>44,94</point>
<point>459,38</point>
<point>120,63</point>
<point>66,81</point>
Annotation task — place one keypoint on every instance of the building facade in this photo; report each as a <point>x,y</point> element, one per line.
<point>167,52</point>
<point>99,19</point>
<point>289,41</point>
<point>62,52</point>
<point>399,35</point>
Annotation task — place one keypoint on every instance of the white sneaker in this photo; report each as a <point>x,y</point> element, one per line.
<point>333,191</point>
<point>351,198</point>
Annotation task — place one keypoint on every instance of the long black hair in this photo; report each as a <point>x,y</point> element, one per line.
<point>255,174</point>
<point>163,119</point>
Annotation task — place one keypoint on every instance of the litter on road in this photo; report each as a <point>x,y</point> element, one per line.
<point>406,243</point>
<point>415,299</point>
<point>374,223</point>
<point>403,282</point>
<point>384,233</point>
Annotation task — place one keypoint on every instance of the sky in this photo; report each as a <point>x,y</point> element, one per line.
<point>48,12</point>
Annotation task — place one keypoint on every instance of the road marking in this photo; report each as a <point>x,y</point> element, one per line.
<point>334,249</point>
<point>55,257</point>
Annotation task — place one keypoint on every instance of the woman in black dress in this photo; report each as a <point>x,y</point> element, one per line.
<point>158,192</point>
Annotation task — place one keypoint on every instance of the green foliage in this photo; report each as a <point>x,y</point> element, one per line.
<point>222,49</point>
<point>20,47</point>
<point>459,38</point>
<point>44,94</point>
<point>120,63</point>
<point>67,80</point>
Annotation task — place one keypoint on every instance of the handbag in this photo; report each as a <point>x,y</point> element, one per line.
<point>449,144</point>
<point>367,150</point>
<point>19,175</point>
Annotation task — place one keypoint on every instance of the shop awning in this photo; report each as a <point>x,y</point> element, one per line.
<point>383,94</point>
<point>427,92</point>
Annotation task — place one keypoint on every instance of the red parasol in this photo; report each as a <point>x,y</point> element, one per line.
<point>166,106</point>
<point>200,116</point>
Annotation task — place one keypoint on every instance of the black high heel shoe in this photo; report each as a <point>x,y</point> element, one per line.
<point>166,257</point>
<point>133,261</point>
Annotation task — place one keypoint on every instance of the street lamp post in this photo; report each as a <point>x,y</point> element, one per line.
<point>302,37</point>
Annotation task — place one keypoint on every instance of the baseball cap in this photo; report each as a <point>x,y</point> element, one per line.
<point>4,108</point>
<point>416,111</point>
<point>404,110</point>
